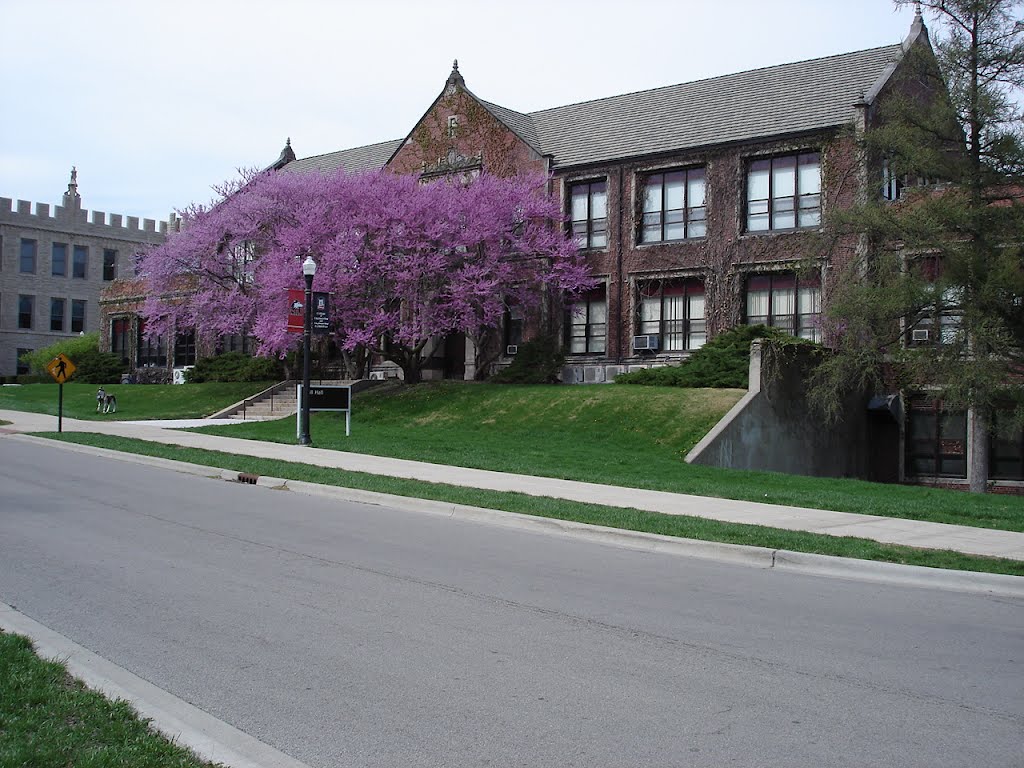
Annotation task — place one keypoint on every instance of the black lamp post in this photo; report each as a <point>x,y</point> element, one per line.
<point>308,270</point>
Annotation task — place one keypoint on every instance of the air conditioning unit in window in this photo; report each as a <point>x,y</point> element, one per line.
<point>511,349</point>
<point>649,343</point>
<point>919,334</point>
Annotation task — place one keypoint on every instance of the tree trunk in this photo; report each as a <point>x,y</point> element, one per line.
<point>977,472</point>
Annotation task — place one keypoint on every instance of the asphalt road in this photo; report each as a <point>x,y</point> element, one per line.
<point>355,635</point>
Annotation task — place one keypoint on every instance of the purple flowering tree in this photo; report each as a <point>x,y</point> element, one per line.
<point>406,262</point>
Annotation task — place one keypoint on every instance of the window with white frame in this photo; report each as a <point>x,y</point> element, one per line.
<point>784,192</point>
<point>673,206</point>
<point>589,212</point>
<point>588,324</point>
<point>941,319</point>
<point>787,302</point>
<point>673,310</point>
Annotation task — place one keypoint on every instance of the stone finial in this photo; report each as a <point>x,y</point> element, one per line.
<point>72,200</point>
<point>917,28</point>
<point>287,155</point>
<point>455,80</point>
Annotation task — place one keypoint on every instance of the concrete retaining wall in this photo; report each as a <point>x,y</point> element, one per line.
<point>772,428</point>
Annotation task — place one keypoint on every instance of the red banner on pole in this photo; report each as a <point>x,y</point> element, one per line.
<point>296,309</point>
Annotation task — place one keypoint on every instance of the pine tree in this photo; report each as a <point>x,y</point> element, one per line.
<point>935,300</point>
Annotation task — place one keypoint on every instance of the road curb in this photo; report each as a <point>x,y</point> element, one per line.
<point>740,554</point>
<point>211,739</point>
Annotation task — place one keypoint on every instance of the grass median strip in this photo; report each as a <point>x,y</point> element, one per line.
<point>629,436</point>
<point>595,514</point>
<point>50,720</point>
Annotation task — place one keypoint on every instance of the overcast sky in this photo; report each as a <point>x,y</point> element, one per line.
<point>157,101</point>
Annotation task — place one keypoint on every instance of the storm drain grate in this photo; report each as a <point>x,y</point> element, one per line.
<point>246,477</point>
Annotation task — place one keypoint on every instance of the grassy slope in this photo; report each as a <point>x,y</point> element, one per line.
<point>49,720</point>
<point>134,401</point>
<point>629,436</point>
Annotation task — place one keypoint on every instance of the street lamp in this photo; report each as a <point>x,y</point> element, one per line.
<point>308,270</point>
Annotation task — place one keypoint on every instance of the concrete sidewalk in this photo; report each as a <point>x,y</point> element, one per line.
<point>912,533</point>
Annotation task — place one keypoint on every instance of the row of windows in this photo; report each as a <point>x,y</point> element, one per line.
<point>28,256</point>
<point>782,193</point>
<point>673,310</point>
<point>58,313</point>
<point>936,444</point>
<point>152,351</point>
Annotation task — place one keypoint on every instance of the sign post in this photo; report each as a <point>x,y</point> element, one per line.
<point>327,397</point>
<point>62,369</point>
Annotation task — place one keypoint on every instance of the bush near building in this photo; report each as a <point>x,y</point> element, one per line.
<point>234,366</point>
<point>93,366</point>
<point>722,362</point>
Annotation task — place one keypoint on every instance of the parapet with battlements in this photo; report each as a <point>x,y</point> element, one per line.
<point>74,219</point>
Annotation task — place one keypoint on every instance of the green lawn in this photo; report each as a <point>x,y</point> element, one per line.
<point>49,720</point>
<point>628,519</point>
<point>629,436</point>
<point>134,401</point>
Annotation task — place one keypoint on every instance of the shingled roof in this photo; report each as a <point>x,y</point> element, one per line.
<point>368,158</point>
<point>786,99</point>
<point>775,101</point>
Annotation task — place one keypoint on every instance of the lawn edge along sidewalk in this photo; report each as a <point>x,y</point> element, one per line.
<point>758,557</point>
<point>209,738</point>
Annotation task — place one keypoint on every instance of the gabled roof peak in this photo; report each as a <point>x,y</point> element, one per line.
<point>917,28</point>
<point>455,80</point>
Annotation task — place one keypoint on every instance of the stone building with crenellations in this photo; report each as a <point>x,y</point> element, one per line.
<point>54,264</point>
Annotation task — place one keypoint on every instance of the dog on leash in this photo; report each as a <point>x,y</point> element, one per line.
<point>105,402</point>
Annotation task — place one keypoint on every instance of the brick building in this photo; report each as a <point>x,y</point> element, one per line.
<point>54,265</point>
<point>693,202</point>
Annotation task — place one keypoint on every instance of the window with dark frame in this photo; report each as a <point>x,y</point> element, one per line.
<point>152,352</point>
<point>185,349</point>
<point>514,325</point>
<point>787,302</point>
<point>79,261</point>
<point>26,308</point>
<point>589,213</point>
<point>27,257</point>
<point>56,314</point>
<point>109,264</point>
<point>936,443</point>
<point>673,206</point>
<point>673,310</point>
<point>784,192</point>
<point>588,324</point>
<point>59,260</point>
<point>77,315</point>
<point>120,332</point>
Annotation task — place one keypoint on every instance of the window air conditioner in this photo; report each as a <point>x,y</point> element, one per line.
<point>645,342</point>
<point>511,349</point>
<point>919,334</point>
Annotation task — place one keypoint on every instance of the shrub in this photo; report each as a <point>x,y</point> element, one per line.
<point>723,362</point>
<point>234,366</point>
<point>537,362</point>
<point>94,367</point>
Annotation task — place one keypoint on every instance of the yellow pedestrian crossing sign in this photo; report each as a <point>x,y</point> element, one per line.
<point>61,368</point>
